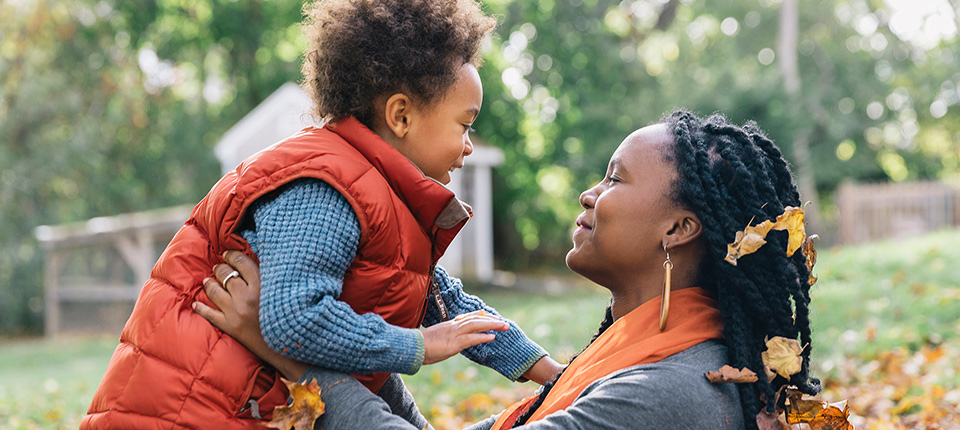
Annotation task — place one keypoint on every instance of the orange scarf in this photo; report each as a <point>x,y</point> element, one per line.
<point>633,339</point>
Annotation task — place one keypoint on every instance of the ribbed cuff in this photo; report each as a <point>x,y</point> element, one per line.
<point>526,365</point>
<point>421,350</point>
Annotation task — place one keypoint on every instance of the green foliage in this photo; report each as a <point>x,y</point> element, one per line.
<point>112,107</point>
<point>578,76</point>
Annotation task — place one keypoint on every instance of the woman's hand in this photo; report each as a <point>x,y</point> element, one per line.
<point>236,291</point>
<point>444,340</point>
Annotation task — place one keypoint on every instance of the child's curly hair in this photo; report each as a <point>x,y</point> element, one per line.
<point>360,50</point>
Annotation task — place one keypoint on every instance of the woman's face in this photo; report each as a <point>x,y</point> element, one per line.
<point>621,231</point>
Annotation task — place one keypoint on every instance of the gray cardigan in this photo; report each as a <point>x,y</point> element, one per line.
<point>672,393</point>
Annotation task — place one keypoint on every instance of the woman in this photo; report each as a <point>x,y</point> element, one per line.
<point>654,232</point>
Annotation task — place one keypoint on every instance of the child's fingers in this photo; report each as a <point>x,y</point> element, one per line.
<point>210,314</point>
<point>480,312</point>
<point>481,324</point>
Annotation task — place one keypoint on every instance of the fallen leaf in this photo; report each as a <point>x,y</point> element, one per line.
<point>833,417</point>
<point>782,357</point>
<point>477,402</point>
<point>791,220</point>
<point>303,411</point>
<point>731,374</point>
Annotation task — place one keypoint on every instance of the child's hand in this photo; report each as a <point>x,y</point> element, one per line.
<point>442,341</point>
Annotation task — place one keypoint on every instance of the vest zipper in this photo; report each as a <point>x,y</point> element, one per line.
<point>435,291</point>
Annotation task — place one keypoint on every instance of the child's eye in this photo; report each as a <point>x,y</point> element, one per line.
<point>468,129</point>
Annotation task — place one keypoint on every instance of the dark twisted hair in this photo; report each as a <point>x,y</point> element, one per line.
<point>360,50</point>
<point>728,176</point>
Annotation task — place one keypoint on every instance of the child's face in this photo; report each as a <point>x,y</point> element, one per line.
<point>627,215</point>
<point>438,137</point>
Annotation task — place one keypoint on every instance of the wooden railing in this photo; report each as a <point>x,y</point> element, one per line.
<point>870,212</point>
<point>94,269</point>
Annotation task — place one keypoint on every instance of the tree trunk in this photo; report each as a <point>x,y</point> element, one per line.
<point>787,36</point>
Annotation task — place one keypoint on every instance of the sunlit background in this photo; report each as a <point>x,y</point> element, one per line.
<point>113,107</point>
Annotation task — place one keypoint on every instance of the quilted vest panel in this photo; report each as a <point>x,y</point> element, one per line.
<point>173,369</point>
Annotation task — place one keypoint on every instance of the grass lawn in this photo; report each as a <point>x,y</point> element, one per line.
<point>870,300</point>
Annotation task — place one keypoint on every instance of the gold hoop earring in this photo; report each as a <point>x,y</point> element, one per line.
<point>665,299</point>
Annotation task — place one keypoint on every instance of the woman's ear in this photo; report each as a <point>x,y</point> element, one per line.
<point>685,229</point>
<point>397,111</point>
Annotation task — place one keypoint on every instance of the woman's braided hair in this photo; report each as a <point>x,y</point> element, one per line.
<point>730,176</point>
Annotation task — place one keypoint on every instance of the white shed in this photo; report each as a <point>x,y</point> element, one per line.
<point>284,113</point>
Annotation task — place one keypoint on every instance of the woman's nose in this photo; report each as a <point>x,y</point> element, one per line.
<point>588,198</point>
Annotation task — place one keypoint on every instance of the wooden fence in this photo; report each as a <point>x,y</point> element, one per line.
<point>870,212</point>
<point>94,269</point>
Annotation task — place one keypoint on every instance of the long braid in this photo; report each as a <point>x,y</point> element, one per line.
<point>604,325</point>
<point>729,176</point>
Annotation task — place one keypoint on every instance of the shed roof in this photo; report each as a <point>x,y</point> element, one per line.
<point>284,113</point>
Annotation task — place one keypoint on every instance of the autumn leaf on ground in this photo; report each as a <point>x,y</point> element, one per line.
<point>791,221</point>
<point>303,411</point>
<point>782,357</point>
<point>728,373</point>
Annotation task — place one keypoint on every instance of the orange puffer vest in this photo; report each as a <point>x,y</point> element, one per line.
<point>173,370</point>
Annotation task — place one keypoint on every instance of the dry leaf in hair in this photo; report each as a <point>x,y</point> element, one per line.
<point>791,221</point>
<point>751,238</point>
<point>811,254</point>
<point>728,373</point>
<point>303,411</point>
<point>771,421</point>
<point>799,410</point>
<point>832,417</point>
<point>782,357</point>
<point>747,241</point>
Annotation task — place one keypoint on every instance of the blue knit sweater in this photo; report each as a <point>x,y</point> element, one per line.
<point>306,237</point>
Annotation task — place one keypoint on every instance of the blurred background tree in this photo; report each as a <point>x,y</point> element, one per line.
<point>109,106</point>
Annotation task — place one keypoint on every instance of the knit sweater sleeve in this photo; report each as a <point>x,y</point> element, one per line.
<point>511,353</point>
<point>306,236</point>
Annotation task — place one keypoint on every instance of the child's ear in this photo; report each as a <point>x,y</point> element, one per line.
<point>397,114</point>
<point>685,228</point>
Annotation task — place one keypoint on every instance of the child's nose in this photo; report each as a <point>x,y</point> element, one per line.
<point>467,146</point>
